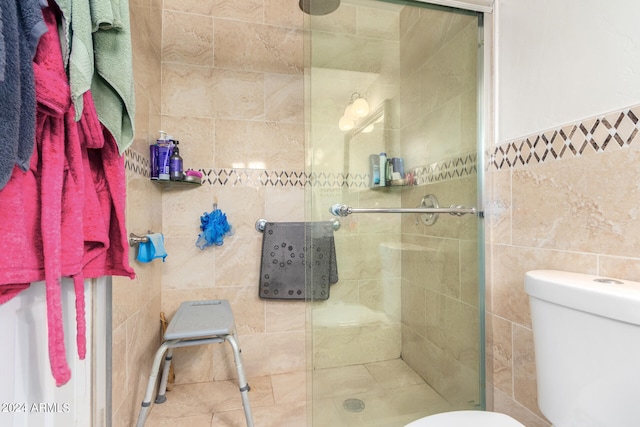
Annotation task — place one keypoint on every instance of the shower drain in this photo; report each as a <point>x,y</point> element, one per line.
<point>353,405</point>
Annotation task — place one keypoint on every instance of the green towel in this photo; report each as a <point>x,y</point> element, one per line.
<point>77,48</point>
<point>112,85</point>
<point>100,60</point>
<point>105,15</point>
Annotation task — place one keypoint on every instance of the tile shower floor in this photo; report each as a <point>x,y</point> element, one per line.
<point>392,393</point>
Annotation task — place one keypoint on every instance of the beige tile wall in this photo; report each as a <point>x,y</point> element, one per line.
<point>438,91</point>
<point>232,93</point>
<point>136,303</point>
<point>570,202</point>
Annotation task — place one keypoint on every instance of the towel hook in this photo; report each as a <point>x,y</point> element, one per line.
<point>134,239</point>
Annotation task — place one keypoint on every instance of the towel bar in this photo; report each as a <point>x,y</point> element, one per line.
<point>261,223</point>
<point>134,239</point>
<point>344,210</point>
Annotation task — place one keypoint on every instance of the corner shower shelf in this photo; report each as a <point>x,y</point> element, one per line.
<point>168,185</point>
<point>390,187</point>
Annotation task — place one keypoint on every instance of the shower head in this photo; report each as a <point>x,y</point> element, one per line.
<point>319,7</point>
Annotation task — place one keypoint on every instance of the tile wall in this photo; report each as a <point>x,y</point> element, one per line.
<point>232,94</point>
<point>136,303</point>
<point>564,199</point>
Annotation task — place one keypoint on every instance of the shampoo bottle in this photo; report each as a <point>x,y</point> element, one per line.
<point>374,169</point>
<point>175,164</point>
<point>383,169</point>
<point>164,153</point>
<point>398,166</point>
<point>153,160</point>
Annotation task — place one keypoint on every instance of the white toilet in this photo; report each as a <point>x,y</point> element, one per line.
<point>586,332</point>
<point>466,418</point>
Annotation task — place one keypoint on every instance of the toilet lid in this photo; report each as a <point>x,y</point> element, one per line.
<point>466,418</point>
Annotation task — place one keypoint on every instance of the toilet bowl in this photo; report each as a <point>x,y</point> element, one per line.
<point>466,419</point>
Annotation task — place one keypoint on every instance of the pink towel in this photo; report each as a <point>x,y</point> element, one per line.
<point>61,195</point>
<point>110,184</point>
<point>106,249</point>
<point>106,246</point>
<point>65,215</point>
<point>9,291</point>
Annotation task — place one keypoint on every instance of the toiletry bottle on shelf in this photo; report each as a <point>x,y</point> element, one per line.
<point>383,169</point>
<point>153,161</point>
<point>175,164</point>
<point>398,166</point>
<point>374,169</point>
<point>164,153</point>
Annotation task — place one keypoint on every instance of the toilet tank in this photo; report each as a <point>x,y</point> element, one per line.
<point>586,333</point>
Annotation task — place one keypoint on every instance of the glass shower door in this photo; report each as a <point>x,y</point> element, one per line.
<point>401,334</point>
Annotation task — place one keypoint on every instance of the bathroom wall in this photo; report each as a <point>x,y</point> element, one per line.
<point>232,94</point>
<point>564,183</point>
<point>136,303</point>
<point>440,338</point>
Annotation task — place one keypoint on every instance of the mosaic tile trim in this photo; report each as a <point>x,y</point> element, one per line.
<point>437,172</point>
<point>253,178</point>
<point>458,167</point>
<point>136,163</point>
<point>596,135</point>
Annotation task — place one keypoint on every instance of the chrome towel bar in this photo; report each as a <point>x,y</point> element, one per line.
<point>429,210</point>
<point>344,210</point>
<point>262,222</point>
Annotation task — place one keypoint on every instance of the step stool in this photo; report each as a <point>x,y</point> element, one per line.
<point>196,323</point>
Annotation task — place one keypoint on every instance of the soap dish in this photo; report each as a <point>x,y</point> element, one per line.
<point>193,179</point>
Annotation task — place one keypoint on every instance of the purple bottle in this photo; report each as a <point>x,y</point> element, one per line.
<point>153,160</point>
<point>164,153</point>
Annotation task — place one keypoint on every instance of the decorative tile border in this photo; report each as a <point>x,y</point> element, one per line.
<point>458,167</point>
<point>253,178</point>
<point>437,172</point>
<point>136,163</point>
<point>596,135</point>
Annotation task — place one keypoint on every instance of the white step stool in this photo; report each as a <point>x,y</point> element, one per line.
<point>196,323</point>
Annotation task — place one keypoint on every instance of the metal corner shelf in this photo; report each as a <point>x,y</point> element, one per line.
<point>168,185</point>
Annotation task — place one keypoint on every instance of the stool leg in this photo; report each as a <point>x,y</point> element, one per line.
<point>242,380</point>
<point>161,397</point>
<point>146,402</point>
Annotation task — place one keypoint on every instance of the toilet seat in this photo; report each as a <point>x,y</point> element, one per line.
<point>466,419</point>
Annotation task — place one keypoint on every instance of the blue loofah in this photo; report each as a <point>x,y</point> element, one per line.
<point>214,227</point>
